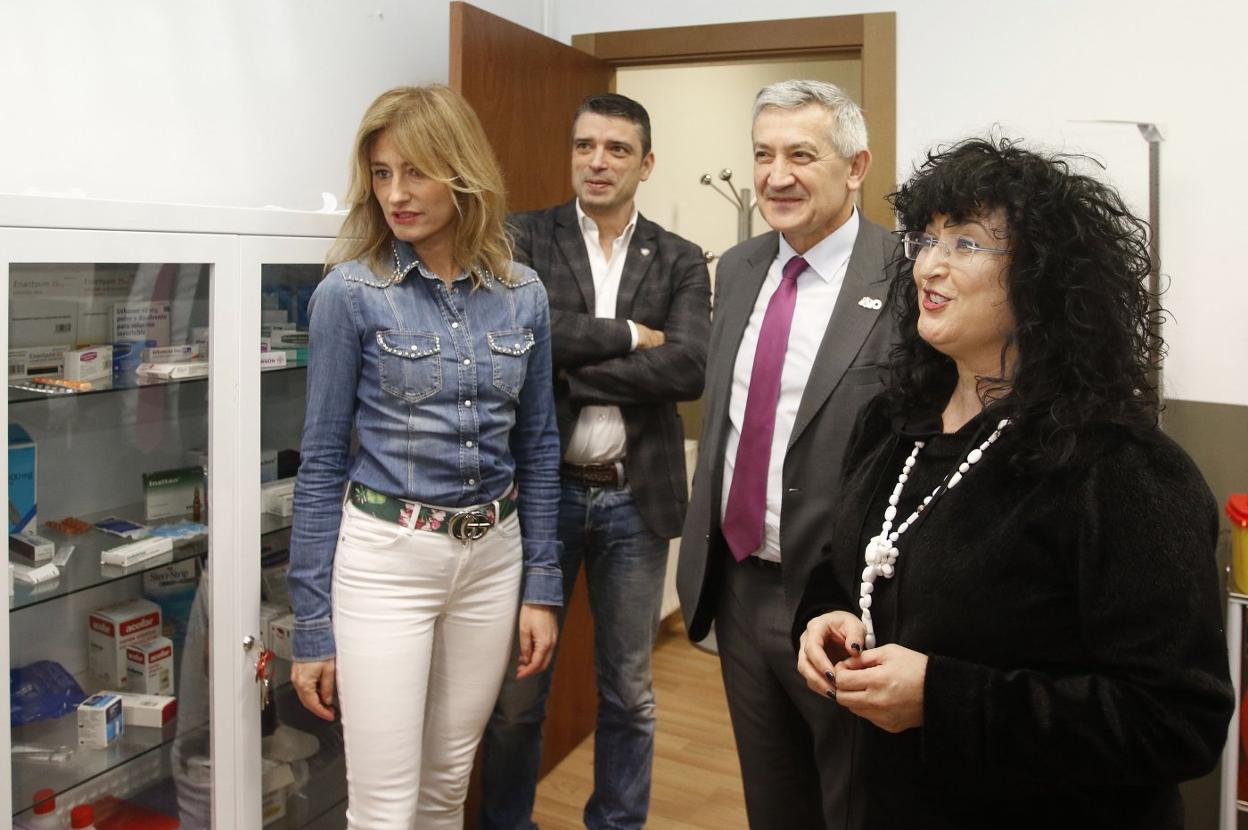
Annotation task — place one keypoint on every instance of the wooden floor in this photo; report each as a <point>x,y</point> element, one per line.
<point>697,780</point>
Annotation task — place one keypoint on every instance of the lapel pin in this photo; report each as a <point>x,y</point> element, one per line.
<point>871,303</point>
<point>645,252</point>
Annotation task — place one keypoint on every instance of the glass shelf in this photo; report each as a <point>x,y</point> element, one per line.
<point>84,570</point>
<point>84,764</point>
<point>27,391</point>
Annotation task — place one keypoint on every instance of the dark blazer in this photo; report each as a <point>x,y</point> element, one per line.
<point>1077,669</point>
<point>850,368</point>
<point>665,286</point>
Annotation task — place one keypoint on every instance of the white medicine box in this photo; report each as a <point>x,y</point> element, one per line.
<point>149,667</point>
<point>111,630</point>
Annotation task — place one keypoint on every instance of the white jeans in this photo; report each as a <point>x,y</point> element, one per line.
<point>424,625</point>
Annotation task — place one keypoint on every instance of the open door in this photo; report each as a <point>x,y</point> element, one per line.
<point>525,88</point>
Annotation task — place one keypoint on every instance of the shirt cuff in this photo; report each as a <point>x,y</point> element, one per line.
<point>632,332</point>
<point>543,581</point>
<point>313,640</point>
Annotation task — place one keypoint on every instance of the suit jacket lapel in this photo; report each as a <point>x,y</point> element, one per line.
<point>642,252</point>
<point>849,326</point>
<point>571,243</point>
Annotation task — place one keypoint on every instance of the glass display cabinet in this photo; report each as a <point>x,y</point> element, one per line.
<point>156,398</point>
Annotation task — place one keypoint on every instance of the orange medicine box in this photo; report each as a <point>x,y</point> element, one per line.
<point>1237,510</point>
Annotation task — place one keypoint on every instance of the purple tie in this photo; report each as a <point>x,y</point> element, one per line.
<point>747,500</point>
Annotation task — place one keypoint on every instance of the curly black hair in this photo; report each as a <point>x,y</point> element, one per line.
<point>1085,335</point>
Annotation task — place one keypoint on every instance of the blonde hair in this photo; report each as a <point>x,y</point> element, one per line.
<point>436,132</point>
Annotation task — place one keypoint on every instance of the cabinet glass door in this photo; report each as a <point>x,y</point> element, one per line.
<point>120,463</point>
<point>302,766</point>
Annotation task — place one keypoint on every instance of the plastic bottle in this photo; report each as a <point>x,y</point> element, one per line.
<point>43,817</point>
<point>82,818</point>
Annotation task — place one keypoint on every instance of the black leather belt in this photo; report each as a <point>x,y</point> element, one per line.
<point>594,475</point>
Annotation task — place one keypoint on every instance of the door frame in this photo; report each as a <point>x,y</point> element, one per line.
<point>870,37</point>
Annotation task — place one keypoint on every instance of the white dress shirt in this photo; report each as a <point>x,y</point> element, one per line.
<point>599,436</point>
<point>817,289</point>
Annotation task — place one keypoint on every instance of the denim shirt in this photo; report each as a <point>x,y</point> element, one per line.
<point>451,398</point>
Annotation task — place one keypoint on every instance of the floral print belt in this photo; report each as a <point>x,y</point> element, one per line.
<point>466,524</point>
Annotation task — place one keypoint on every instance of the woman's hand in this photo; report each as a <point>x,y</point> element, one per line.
<point>314,682</point>
<point>883,685</point>
<point>539,628</point>
<point>827,639</point>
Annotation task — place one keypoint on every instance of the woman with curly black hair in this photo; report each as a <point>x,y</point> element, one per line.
<point>1019,597</point>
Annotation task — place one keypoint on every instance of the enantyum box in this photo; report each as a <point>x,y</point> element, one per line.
<point>112,630</point>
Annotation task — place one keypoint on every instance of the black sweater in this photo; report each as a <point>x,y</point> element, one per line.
<point>1077,665</point>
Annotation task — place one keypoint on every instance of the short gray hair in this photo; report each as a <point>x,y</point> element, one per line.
<point>849,128</point>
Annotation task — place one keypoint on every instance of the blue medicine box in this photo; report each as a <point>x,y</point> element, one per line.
<point>22,490</point>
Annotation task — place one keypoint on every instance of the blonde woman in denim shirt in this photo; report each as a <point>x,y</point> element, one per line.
<point>412,551</point>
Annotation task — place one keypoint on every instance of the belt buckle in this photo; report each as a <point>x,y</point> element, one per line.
<point>470,525</point>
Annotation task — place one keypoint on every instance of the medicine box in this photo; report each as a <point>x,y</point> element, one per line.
<point>278,497</point>
<point>282,635</point>
<point>36,361</point>
<point>31,548</point>
<point>268,613</point>
<point>272,360</point>
<point>100,720</point>
<point>132,553</point>
<point>22,481</point>
<point>142,321</point>
<point>149,667</point>
<point>276,780</point>
<point>113,629</point>
<point>148,710</point>
<point>172,492</point>
<point>170,354</point>
<point>287,338</point>
<point>127,355</point>
<point>94,363</point>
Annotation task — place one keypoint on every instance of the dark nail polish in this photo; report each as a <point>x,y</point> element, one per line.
<point>831,693</point>
<point>856,647</point>
<point>831,677</point>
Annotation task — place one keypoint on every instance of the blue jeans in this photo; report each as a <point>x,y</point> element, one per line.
<point>624,567</point>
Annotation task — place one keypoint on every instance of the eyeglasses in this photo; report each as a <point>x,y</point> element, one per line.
<point>963,248</point>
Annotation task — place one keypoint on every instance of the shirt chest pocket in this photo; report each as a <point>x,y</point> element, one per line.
<point>409,364</point>
<point>509,357</point>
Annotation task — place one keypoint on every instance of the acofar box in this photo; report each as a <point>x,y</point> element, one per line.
<point>113,629</point>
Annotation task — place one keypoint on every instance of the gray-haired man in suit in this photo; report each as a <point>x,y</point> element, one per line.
<point>630,318</point>
<point>778,417</point>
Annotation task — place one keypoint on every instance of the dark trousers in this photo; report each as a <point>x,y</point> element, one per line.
<point>795,746</point>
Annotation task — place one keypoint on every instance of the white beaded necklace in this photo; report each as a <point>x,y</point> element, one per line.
<point>881,551</point>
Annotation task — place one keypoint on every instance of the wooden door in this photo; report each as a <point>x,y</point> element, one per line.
<point>525,88</point>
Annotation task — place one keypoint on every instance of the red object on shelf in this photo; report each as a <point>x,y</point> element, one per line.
<point>81,816</point>
<point>45,802</point>
<point>1237,509</point>
<point>117,814</point>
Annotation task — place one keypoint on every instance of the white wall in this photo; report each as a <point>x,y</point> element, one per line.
<point>254,102</point>
<point>222,102</point>
<point>965,65</point>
